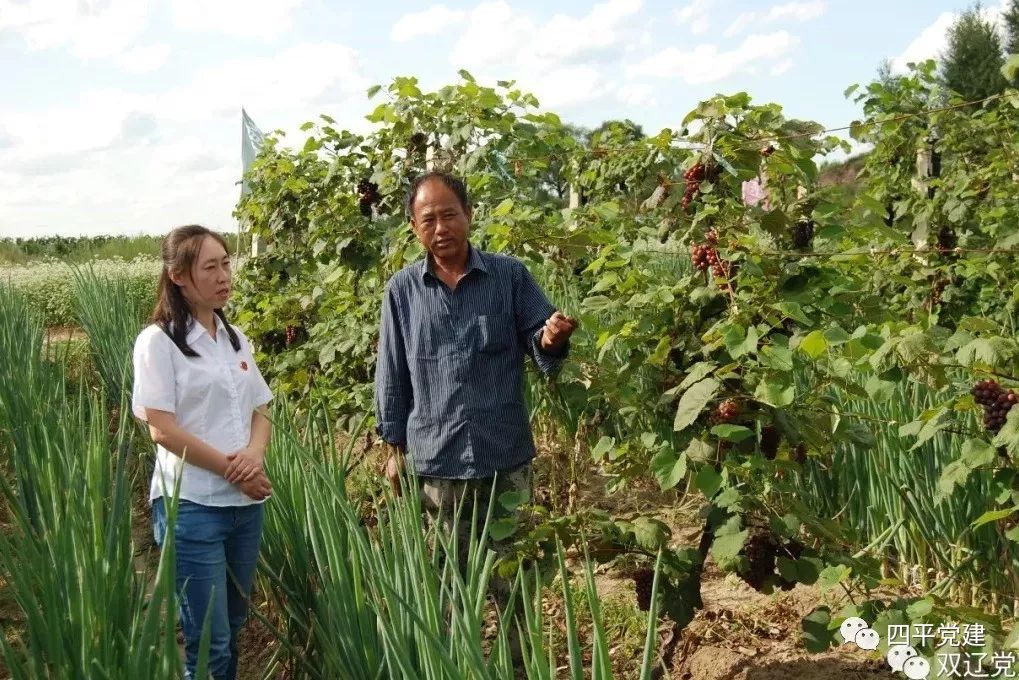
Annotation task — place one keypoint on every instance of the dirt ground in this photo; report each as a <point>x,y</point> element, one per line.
<point>744,635</point>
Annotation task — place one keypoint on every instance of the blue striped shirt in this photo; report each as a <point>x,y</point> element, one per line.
<point>449,382</point>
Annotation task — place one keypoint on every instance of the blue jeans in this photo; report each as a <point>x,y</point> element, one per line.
<point>216,546</point>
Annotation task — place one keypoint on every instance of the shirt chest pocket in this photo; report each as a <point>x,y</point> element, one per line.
<point>495,333</point>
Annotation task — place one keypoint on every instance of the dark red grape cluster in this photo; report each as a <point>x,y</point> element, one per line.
<point>368,196</point>
<point>768,150</point>
<point>417,143</point>
<point>937,288</point>
<point>947,240</point>
<point>643,582</point>
<point>693,177</point>
<point>291,335</point>
<point>803,234</point>
<point>725,270</point>
<point>761,552</point>
<point>799,453</point>
<point>704,256</point>
<point>996,400</point>
<point>728,411</point>
<point>770,438</point>
<point>696,174</point>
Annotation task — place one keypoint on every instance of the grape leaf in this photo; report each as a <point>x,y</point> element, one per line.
<point>668,468</point>
<point>698,371</point>
<point>817,635</point>
<point>1008,436</point>
<point>814,345</point>
<point>732,433</point>
<point>708,481</point>
<point>992,516</point>
<point>954,474</point>
<point>726,548</point>
<point>693,402</point>
<point>776,390</point>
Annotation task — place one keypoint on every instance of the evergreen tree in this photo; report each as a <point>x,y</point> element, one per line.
<point>971,64</point>
<point>1011,18</point>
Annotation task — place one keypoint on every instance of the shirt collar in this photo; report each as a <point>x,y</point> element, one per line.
<point>198,329</point>
<point>475,260</point>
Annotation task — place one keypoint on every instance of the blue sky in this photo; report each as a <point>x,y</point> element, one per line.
<point>123,116</point>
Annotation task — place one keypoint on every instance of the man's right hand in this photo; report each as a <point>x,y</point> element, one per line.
<point>258,488</point>
<point>395,464</point>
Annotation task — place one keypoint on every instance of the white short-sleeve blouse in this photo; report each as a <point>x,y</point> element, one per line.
<point>213,397</point>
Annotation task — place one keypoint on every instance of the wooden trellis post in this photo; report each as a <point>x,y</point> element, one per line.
<point>257,246</point>
<point>928,167</point>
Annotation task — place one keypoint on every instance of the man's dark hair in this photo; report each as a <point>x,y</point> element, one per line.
<point>454,183</point>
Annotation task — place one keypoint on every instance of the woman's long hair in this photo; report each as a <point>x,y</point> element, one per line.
<point>172,313</point>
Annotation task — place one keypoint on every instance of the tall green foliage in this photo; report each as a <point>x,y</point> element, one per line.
<point>66,551</point>
<point>719,375</point>
<point>971,64</point>
<point>1010,17</point>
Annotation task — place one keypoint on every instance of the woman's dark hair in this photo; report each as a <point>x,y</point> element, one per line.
<point>454,183</point>
<point>172,313</point>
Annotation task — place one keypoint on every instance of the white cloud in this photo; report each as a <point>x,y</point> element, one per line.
<point>185,179</point>
<point>742,21</point>
<point>797,11</point>
<point>636,94</point>
<point>927,45</point>
<point>89,28</point>
<point>495,34</point>
<point>933,39</point>
<point>117,160</point>
<point>275,84</point>
<point>562,61</point>
<point>94,120</point>
<point>695,16</point>
<point>707,63</point>
<point>573,38</point>
<point>264,19</point>
<point>143,59</point>
<point>790,11</point>
<point>568,86</point>
<point>431,21</point>
<point>781,67</point>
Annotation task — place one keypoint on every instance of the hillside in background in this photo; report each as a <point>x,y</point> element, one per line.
<point>844,175</point>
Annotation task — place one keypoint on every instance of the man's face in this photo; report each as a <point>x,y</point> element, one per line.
<point>440,222</point>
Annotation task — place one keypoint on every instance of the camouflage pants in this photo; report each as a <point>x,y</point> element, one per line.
<point>441,499</point>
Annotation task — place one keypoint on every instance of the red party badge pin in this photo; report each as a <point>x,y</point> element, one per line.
<point>244,365</point>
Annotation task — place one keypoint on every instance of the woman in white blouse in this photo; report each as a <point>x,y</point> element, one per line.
<point>205,402</point>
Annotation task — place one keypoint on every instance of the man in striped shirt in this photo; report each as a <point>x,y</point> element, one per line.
<point>449,382</point>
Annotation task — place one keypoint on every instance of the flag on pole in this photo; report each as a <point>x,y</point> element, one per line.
<point>251,144</point>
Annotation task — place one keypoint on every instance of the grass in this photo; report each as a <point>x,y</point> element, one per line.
<point>869,488</point>
<point>66,555</point>
<point>349,600</point>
